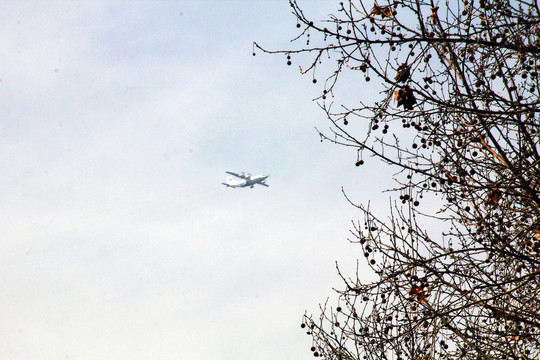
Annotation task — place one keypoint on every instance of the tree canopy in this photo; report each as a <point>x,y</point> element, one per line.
<point>458,118</point>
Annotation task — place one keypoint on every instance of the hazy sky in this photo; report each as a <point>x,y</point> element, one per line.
<point>117,239</point>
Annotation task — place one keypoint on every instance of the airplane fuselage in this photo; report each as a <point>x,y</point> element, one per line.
<point>245,180</point>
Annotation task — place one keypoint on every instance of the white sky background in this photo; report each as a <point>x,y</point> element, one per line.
<point>117,239</point>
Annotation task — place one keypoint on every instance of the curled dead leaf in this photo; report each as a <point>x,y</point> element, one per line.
<point>419,293</point>
<point>434,16</point>
<point>405,97</point>
<point>403,73</point>
<point>493,197</point>
<point>384,11</point>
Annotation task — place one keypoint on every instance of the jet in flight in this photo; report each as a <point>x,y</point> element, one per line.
<point>245,180</point>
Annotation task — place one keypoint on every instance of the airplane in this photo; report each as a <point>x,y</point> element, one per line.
<point>246,180</point>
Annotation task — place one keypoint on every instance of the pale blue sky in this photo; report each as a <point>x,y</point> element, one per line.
<point>118,241</point>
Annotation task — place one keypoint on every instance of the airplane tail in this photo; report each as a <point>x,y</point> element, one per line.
<point>229,182</point>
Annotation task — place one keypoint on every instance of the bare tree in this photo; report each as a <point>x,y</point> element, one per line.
<point>458,118</point>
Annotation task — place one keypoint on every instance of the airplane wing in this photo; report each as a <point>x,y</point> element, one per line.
<point>241,176</point>
<point>263,184</point>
